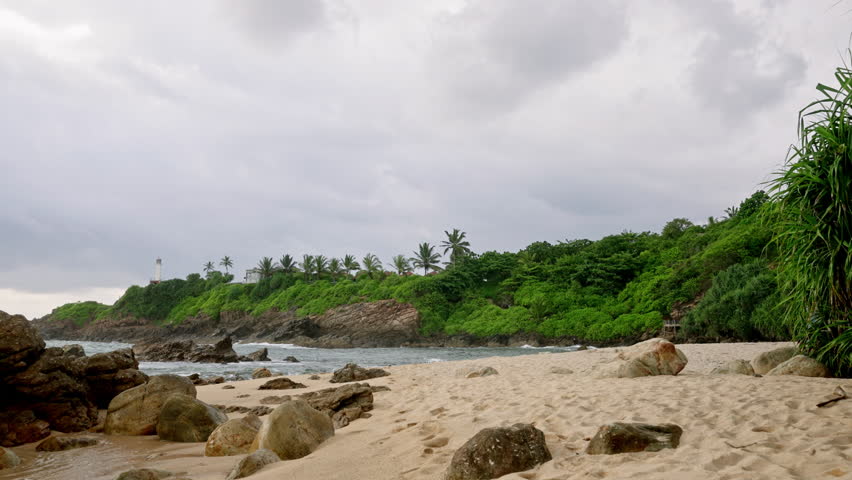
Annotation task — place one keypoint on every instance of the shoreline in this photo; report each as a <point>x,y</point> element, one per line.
<point>428,405</point>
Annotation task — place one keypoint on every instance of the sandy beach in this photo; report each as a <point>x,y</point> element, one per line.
<point>735,426</point>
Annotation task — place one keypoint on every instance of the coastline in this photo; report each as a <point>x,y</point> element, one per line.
<point>735,426</point>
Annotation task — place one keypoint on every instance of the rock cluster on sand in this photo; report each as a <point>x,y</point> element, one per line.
<point>184,418</point>
<point>475,371</point>
<point>342,404</point>
<point>494,452</point>
<point>196,380</point>
<point>656,356</point>
<point>766,361</point>
<point>233,437</point>
<point>187,351</point>
<point>281,383</point>
<point>136,411</point>
<point>734,367</point>
<point>353,373</point>
<point>293,430</point>
<point>58,444</point>
<point>253,463</point>
<point>802,366</point>
<point>634,437</point>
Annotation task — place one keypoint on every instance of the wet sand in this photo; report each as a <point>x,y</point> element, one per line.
<point>735,426</point>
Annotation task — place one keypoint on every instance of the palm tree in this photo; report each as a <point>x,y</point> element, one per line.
<point>266,266</point>
<point>372,264</point>
<point>335,268</point>
<point>426,258</point>
<point>307,265</point>
<point>456,245</point>
<point>350,264</point>
<point>400,263</point>
<point>209,267</point>
<point>227,263</point>
<point>320,265</point>
<point>287,264</point>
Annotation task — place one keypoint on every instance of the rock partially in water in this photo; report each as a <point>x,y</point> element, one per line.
<point>187,419</point>
<point>253,463</point>
<point>494,452</point>
<point>58,444</point>
<point>187,351</point>
<point>261,373</point>
<point>261,355</point>
<point>293,430</point>
<point>8,459</point>
<point>136,411</point>
<point>291,359</point>
<point>233,437</point>
<point>353,373</point>
<point>634,437</point>
<point>281,383</point>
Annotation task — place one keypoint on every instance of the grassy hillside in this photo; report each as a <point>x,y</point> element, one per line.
<point>618,287</point>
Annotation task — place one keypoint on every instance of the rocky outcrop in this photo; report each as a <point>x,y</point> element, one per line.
<point>734,367</point>
<point>802,366</point>
<point>187,419</point>
<point>656,356</point>
<point>111,373</point>
<point>342,404</point>
<point>261,355</point>
<point>475,371</point>
<point>233,437</point>
<point>136,411</point>
<point>253,463</point>
<point>293,430</point>
<point>196,380</point>
<point>20,344</point>
<point>59,444</point>
<point>74,350</point>
<point>494,452</point>
<point>187,351</point>
<point>766,361</point>
<point>19,426</point>
<point>353,373</point>
<point>634,437</point>
<point>280,383</point>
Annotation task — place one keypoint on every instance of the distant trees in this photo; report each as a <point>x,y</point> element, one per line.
<point>227,263</point>
<point>372,265</point>
<point>266,267</point>
<point>350,264</point>
<point>456,245</point>
<point>320,265</point>
<point>209,268</point>
<point>307,265</point>
<point>401,264</point>
<point>287,264</point>
<point>426,258</point>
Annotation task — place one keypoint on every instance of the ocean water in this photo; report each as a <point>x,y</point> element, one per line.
<point>313,360</point>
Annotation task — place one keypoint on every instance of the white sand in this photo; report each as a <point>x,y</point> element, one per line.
<point>735,426</point>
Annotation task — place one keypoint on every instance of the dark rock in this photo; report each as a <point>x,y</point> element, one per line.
<point>74,350</point>
<point>261,355</point>
<point>274,400</point>
<point>58,444</point>
<point>291,359</point>
<point>260,411</point>
<point>494,452</point>
<point>215,380</point>
<point>634,437</point>
<point>228,387</point>
<point>261,373</point>
<point>186,419</point>
<point>314,377</point>
<point>281,383</point>
<point>187,351</point>
<point>144,474</point>
<point>21,426</point>
<point>20,344</point>
<point>111,373</point>
<point>342,404</point>
<point>252,463</point>
<point>353,373</point>
<point>380,388</point>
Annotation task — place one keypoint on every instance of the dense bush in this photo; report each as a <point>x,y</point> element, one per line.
<point>80,313</point>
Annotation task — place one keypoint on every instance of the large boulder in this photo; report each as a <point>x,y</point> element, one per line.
<point>293,430</point>
<point>18,426</point>
<point>353,373</point>
<point>734,367</point>
<point>58,444</point>
<point>55,388</point>
<point>20,343</point>
<point>187,351</point>
<point>252,463</point>
<point>261,355</point>
<point>111,373</point>
<point>766,361</point>
<point>187,419</point>
<point>656,356</point>
<point>8,459</point>
<point>634,437</point>
<point>281,383</point>
<point>233,437</point>
<point>494,452</point>
<point>261,373</point>
<point>136,411</point>
<point>342,404</point>
<point>802,366</point>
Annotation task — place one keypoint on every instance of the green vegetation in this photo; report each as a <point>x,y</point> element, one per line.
<point>812,199</point>
<point>80,312</point>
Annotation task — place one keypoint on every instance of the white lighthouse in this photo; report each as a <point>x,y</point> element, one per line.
<point>158,269</point>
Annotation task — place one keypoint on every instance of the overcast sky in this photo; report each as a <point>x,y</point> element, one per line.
<point>195,129</point>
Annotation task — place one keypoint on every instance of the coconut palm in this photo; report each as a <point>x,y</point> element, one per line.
<point>456,245</point>
<point>372,264</point>
<point>335,268</point>
<point>227,263</point>
<point>320,265</point>
<point>426,258</point>
<point>209,268</point>
<point>266,267</point>
<point>287,264</point>
<point>307,265</point>
<point>350,264</point>
<point>401,264</point>
<point>813,221</point>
